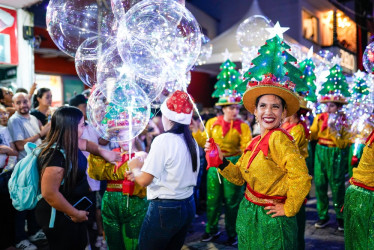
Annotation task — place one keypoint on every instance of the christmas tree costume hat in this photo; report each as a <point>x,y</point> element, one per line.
<point>360,90</point>
<point>274,58</point>
<point>360,128</point>
<point>335,89</point>
<point>307,68</point>
<point>230,86</point>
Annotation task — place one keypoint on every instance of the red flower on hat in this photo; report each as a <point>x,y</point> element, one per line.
<point>179,102</point>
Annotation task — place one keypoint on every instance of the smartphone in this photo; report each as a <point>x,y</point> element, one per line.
<point>83,204</point>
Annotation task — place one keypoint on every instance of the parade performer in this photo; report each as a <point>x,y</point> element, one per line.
<point>124,204</point>
<point>170,173</point>
<point>359,202</point>
<point>331,132</point>
<point>298,129</point>
<point>232,135</point>
<point>275,172</point>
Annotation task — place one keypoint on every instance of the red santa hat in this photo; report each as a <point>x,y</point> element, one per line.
<point>178,108</point>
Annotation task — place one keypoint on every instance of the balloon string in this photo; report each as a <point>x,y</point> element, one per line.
<point>130,127</point>
<point>197,111</point>
<point>201,120</point>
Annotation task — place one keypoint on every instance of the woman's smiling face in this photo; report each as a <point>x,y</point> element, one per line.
<point>269,112</point>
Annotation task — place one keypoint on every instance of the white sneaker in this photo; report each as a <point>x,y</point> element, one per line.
<point>26,244</point>
<point>100,243</point>
<point>99,239</point>
<point>38,236</point>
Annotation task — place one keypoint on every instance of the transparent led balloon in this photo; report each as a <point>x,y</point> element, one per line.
<point>180,84</point>
<point>110,64</point>
<point>151,89</point>
<point>206,50</point>
<point>86,59</point>
<point>120,7</point>
<point>368,58</point>
<point>252,31</point>
<point>118,112</point>
<point>71,22</point>
<point>160,39</point>
<point>156,103</point>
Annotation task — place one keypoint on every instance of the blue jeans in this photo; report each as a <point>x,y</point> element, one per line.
<point>166,223</point>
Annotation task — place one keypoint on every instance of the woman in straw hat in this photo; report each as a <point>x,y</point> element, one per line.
<point>275,172</point>
<point>296,127</point>
<point>232,135</point>
<point>359,202</point>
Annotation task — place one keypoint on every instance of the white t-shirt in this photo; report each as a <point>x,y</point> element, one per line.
<point>5,139</point>
<point>169,161</point>
<point>90,134</point>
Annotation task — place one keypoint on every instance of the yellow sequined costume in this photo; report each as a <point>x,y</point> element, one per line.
<point>233,143</point>
<point>329,164</point>
<point>232,138</point>
<point>122,211</point>
<point>277,173</point>
<point>282,172</point>
<point>301,140</point>
<point>359,203</point>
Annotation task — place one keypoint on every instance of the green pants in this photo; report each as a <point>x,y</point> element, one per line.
<point>359,151</point>
<point>359,218</point>
<point>301,218</point>
<point>258,230</point>
<point>328,169</point>
<point>121,223</point>
<point>310,159</point>
<point>217,193</point>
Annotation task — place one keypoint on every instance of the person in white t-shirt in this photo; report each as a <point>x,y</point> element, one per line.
<point>170,173</point>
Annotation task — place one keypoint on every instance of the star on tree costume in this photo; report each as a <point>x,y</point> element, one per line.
<point>329,165</point>
<point>359,203</point>
<point>123,204</point>
<point>274,171</point>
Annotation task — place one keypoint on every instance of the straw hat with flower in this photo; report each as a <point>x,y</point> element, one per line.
<point>270,86</point>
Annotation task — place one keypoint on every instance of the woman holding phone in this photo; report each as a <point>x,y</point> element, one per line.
<point>63,180</point>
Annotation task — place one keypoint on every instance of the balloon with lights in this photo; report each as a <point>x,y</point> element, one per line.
<point>86,59</point>
<point>119,111</point>
<point>71,22</point>
<point>252,31</point>
<point>131,52</point>
<point>160,39</point>
<point>206,50</point>
<point>368,58</point>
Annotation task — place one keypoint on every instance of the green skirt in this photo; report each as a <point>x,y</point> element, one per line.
<point>359,218</point>
<point>257,230</point>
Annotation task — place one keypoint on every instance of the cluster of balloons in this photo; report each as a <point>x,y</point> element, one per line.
<point>131,52</point>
